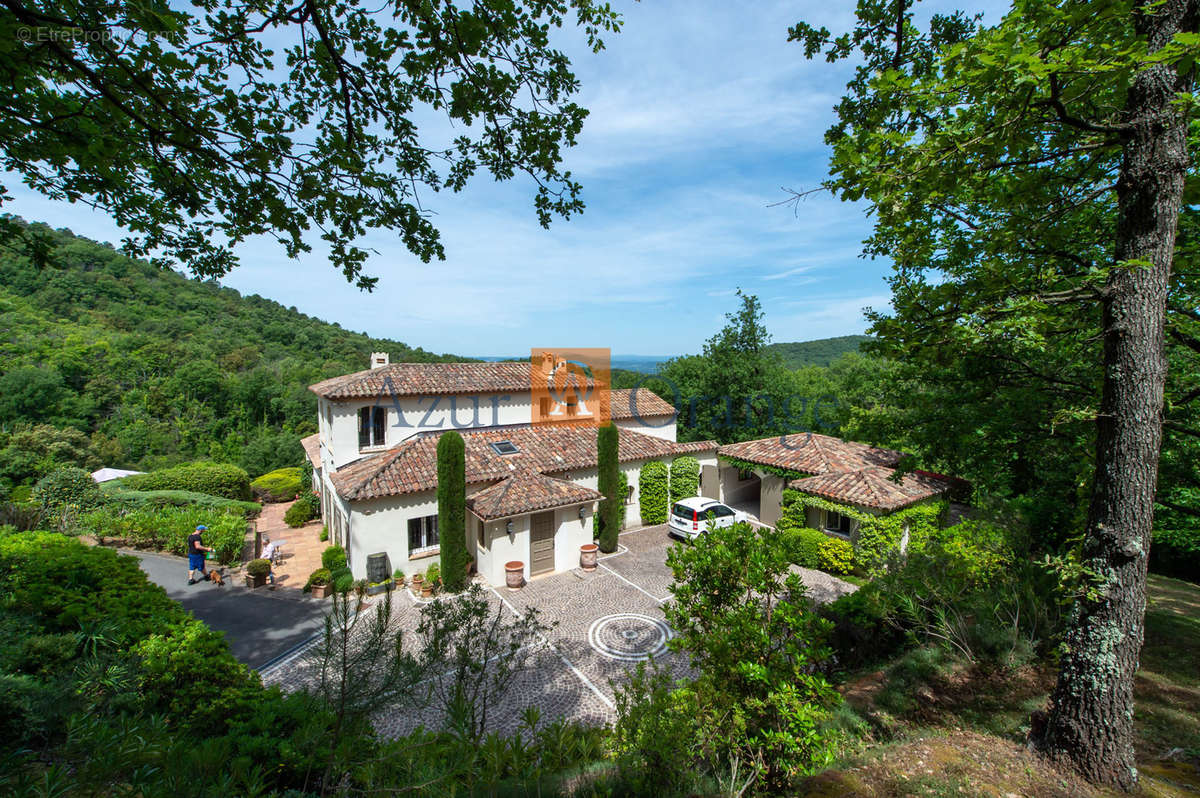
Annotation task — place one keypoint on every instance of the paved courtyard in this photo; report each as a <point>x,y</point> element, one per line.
<point>604,623</point>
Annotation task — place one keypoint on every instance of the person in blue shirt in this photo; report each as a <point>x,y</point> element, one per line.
<point>195,553</point>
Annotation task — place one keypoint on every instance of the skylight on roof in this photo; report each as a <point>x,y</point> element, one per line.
<point>504,447</point>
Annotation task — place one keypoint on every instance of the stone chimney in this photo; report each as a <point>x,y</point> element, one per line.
<point>379,360</point>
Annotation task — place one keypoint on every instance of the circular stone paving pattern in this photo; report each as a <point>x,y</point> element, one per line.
<point>629,637</point>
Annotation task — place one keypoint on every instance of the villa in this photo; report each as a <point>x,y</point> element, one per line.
<point>532,487</point>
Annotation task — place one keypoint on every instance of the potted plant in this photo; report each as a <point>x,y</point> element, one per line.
<point>256,572</point>
<point>433,578</point>
<point>320,583</point>
<point>417,582</point>
<point>587,556</point>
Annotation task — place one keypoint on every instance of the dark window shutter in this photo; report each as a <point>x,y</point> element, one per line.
<point>364,427</point>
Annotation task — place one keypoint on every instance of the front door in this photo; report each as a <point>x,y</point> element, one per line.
<point>541,543</point>
<point>710,483</point>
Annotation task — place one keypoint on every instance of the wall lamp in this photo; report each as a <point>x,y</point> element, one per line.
<point>508,527</point>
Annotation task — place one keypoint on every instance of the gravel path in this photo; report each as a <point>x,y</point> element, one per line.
<point>823,588</point>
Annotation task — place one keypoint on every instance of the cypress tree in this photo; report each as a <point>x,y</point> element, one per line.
<point>608,479</point>
<point>452,510</point>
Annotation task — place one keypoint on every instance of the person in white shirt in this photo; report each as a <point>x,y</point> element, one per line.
<point>268,553</point>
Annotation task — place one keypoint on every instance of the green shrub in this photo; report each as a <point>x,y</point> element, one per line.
<point>61,586</point>
<point>215,479</point>
<point>319,577</point>
<point>1176,552</point>
<point>258,568</point>
<point>333,558</point>
<point>452,510</point>
<point>878,537</point>
<point>166,529</point>
<point>300,513</point>
<point>280,485</point>
<point>150,499</point>
<point>685,478</point>
<point>68,487</point>
<point>433,574</point>
<point>218,687</point>
<point>836,556</point>
<point>803,546</point>
<point>652,493</point>
<point>324,536</point>
<point>343,580</point>
<point>981,549</point>
<point>866,630</point>
<point>612,506</point>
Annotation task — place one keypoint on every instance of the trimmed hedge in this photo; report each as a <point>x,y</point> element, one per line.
<point>612,506</point>
<point>302,511</point>
<point>333,558</point>
<point>167,528</point>
<point>154,499</point>
<point>452,511</point>
<point>812,548</point>
<point>652,493</point>
<point>685,478</point>
<point>215,479</point>
<point>280,485</point>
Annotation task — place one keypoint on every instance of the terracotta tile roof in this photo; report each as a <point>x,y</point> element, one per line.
<point>411,466</point>
<point>810,453</point>
<point>874,487</point>
<point>525,491</point>
<point>427,379</point>
<point>312,448</point>
<point>647,404</point>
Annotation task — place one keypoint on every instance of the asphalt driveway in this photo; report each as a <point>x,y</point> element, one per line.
<point>259,626</point>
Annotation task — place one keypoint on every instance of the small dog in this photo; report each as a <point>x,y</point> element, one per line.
<point>216,578</point>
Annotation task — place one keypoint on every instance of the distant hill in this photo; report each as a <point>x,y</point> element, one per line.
<point>153,367</point>
<point>820,352</point>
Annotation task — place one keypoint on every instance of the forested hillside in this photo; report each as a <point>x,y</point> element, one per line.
<point>819,352</point>
<point>109,360</point>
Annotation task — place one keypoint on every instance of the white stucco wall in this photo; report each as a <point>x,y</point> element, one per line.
<point>571,532</point>
<point>408,415</point>
<point>664,428</point>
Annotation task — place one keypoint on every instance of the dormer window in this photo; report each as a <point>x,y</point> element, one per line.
<point>372,427</point>
<point>504,447</point>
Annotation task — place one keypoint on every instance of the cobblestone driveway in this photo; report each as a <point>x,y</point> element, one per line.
<point>603,623</point>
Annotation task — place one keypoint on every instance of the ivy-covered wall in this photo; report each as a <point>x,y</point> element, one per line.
<point>787,474</point>
<point>878,536</point>
<point>652,493</point>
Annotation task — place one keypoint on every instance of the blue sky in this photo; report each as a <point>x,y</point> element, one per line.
<point>701,113</point>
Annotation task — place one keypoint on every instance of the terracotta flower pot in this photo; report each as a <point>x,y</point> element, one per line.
<point>255,581</point>
<point>587,556</point>
<point>321,591</point>
<point>427,590</point>
<point>514,574</point>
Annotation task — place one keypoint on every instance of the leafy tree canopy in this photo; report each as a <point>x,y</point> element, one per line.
<point>198,126</point>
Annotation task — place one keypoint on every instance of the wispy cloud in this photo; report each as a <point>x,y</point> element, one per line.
<point>700,112</point>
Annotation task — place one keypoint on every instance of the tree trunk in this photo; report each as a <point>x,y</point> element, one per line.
<point>1090,726</point>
